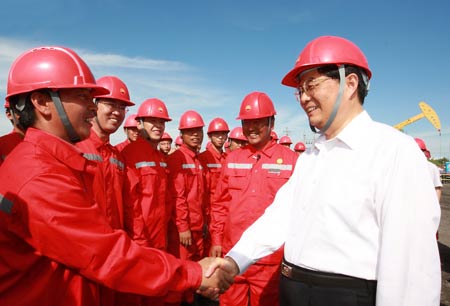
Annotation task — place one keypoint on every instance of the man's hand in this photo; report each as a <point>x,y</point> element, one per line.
<point>218,276</point>
<point>186,238</point>
<point>215,251</point>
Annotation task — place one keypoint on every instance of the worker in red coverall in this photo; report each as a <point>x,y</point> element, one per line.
<point>285,141</point>
<point>213,157</point>
<point>12,139</point>
<point>131,130</point>
<point>165,144</point>
<point>56,245</point>
<point>178,142</point>
<point>299,148</point>
<point>237,138</point>
<point>188,188</point>
<point>251,177</point>
<point>108,180</point>
<point>146,187</point>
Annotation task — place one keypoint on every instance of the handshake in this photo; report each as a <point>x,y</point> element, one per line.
<point>218,276</point>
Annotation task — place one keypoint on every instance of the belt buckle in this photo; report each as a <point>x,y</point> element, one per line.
<point>286,270</point>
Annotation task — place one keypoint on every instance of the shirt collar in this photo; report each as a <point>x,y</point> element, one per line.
<point>352,136</point>
<point>96,140</point>
<point>63,151</point>
<point>185,149</point>
<point>268,150</point>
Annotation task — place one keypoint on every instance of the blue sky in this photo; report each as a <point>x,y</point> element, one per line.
<point>207,55</point>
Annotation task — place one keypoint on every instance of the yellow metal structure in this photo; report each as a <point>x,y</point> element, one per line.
<point>427,112</point>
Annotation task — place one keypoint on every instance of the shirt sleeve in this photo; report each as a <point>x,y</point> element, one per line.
<point>408,271</point>
<point>69,228</point>
<point>177,189</point>
<point>134,223</point>
<point>268,232</point>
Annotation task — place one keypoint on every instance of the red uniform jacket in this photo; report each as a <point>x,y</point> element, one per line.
<point>188,189</point>
<point>7,143</point>
<point>248,185</point>
<point>214,161</point>
<point>109,177</point>
<point>56,245</point>
<point>146,194</point>
<point>122,145</point>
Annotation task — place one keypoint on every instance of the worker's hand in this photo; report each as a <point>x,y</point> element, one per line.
<point>215,251</point>
<point>218,276</point>
<point>186,238</point>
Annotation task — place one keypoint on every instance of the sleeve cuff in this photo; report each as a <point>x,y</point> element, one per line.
<point>242,261</point>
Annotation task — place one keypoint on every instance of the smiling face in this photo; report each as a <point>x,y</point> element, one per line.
<point>317,97</point>
<point>80,109</point>
<point>193,138</point>
<point>132,133</point>
<point>154,128</point>
<point>110,115</point>
<point>258,131</point>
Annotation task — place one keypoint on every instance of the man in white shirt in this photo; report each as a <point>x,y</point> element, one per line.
<point>357,220</point>
<point>433,169</point>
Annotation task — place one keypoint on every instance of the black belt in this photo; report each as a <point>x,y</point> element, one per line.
<point>323,279</point>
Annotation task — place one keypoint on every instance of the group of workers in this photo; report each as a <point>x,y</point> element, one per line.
<point>349,221</point>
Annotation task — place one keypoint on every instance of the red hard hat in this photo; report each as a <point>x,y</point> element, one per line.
<point>178,141</point>
<point>117,89</point>
<point>285,140</point>
<point>218,125</point>
<point>166,136</point>
<point>237,133</point>
<point>256,105</point>
<point>131,121</point>
<point>190,119</point>
<point>421,144</point>
<point>274,135</point>
<point>52,68</point>
<point>326,50</point>
<point>153,108</point>
<point>300,146</point>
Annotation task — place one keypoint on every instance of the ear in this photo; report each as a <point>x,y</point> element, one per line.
<point>41,102</point>
<point>352,85</point>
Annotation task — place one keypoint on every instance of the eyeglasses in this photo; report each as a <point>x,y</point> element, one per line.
<point>309,86</point>
<point>115,106</point>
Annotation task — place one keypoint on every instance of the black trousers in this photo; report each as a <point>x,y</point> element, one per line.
<point>309,292</point>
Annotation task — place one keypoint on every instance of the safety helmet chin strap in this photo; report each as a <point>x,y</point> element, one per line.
<point>144,131</point>
<point>337,102</point>
<point>73,136</point>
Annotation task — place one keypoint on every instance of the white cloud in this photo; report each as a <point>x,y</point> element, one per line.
<point>178,84</point>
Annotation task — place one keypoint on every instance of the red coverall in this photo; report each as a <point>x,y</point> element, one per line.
<point>56,245</point>
<point>122,145</point>
<point>106,186</point>
<point>247,187</point>
<point>146,194</point>
<point>189,200</point>
<point>7,143</point>
<point>109,177</point>
<point>214,161</point>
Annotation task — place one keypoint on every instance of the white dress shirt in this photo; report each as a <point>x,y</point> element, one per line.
<point>435,174</point>
<point>361,204</point>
